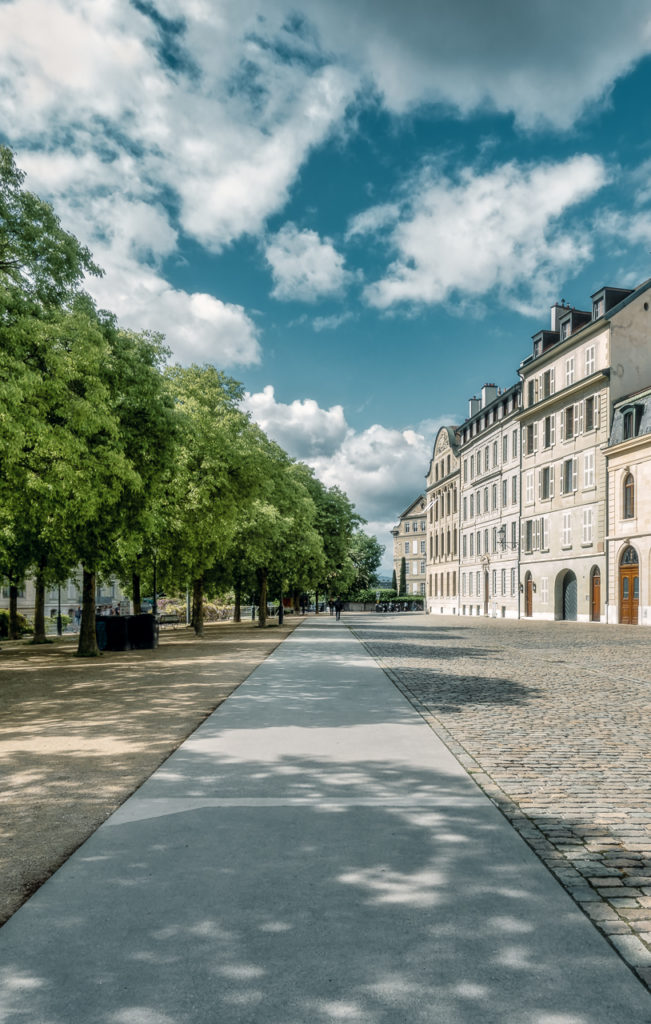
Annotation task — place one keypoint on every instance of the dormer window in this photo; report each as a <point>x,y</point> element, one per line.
<point>597,308</point>
<point>632,418</point>
<point>565,330</point>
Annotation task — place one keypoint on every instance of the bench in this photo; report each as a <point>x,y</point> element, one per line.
<point>168,619</point>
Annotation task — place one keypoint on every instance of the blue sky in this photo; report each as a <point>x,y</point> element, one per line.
<point>362,211</point>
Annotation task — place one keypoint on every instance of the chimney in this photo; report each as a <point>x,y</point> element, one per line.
<point>474,405</point>
<point>488,394</point>
<point>558,309</point>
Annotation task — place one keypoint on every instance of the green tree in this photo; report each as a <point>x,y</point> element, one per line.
<point>365,554</point>
<point>403,576</point>
<point>394,582</point>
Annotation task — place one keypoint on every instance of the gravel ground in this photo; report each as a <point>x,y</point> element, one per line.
<point>78,736</point>
<point>553,720</point>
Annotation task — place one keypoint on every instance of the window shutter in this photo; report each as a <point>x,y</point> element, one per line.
<point>551,481</point>
<point>580,407</point>
<point>535,437</point>
<point>575,473</point>
<point>551,381</point>
<point>552,428</point>
<point>536,534</point>
<point>562,416</point>
<point>540,473</point>
<point>597,408</point>
<point>524,441</point>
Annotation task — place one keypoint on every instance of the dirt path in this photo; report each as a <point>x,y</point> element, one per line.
<point>78,736</point>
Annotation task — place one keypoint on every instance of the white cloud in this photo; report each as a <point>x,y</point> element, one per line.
<point>304,267</point>
<point>381,470</point>
<point>331,323</point>
<point>302,428</point>
<point>495,231</point>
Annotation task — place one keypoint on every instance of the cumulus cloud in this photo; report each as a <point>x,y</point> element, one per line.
<point>331,323</point>
<point>304,267</point>
<point>301,427</point>
<point>381,469</point>
<point>473,233</point>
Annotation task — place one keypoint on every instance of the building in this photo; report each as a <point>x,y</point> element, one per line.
<point>577,369</point>
<point>410,543</point>
<point>107,595</point>
<point>628,458</point>
<point>443,524</point>
<point>490,504</point>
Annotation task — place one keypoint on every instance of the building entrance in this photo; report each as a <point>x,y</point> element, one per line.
<point>629,587</point>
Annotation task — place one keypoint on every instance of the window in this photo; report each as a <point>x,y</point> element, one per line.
<point>495,453</point>
<point>494,539</point>
<point>597,309</point>
<point>569,371</point>
<point>629,496</point>
<point>415,588</point>
<point>463,584</point>
<point>494,582</point>
<point>503,582</point>
<point>589,418</point>
<point>568,476</point>
<point>514,490</point>
<point>472,506</point>
<point>586,534</point>
<point>589,360</point>
<point>463,546</point>
<point>514,439</point>
<point>546,482</point>
<point>469,584</point>
<point>568,422</point>
<point>632,419</point>
<point>414,568</point>
<point>485,499</point>
<point>406,547</point>
<point>512,582</point>
<point>486,458</point>
<point>494,497</point>
<point>472,466</point>
<point>549,431</point>
<point>407,528</point>
<point>505,492</point>
<point>514,535</point>
<point>567,530</point>
<point>422,547</point>
<point>422,590</point>
<point>588,469</point>
<point>485,542</point>
<point>465,509</point>
<point>478,542</point>
<point>531,438</point>
<point>528,535</point>
<point>465,471</point>
<point>529,487</point>
<point>472,544</point>
<point>505,448</point>
<point>548,383</point>
<point>422,567</point>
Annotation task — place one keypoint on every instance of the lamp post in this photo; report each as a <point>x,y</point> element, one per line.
<point>59,623</point>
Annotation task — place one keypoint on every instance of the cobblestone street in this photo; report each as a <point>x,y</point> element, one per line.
<point>553,721</point>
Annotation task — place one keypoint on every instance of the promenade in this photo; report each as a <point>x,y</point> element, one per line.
<point>313,852</point>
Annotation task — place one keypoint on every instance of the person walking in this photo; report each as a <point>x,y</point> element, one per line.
<point>338,606</point>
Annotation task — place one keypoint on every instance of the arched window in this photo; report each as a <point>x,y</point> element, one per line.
<point>629,496</point>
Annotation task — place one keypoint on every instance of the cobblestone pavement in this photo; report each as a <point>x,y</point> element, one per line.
<point>553,721</point>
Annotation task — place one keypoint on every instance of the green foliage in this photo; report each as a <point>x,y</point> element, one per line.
<point>24,626</point>
<point>403,576</point>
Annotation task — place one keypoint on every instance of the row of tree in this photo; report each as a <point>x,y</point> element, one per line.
<point>113,460</point>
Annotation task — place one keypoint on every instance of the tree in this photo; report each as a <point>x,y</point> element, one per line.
<point>365,554</point>
<point>213,474</point>
<point>394,582</point>
<point>403,576</point>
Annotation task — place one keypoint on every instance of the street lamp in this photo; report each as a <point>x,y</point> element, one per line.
<point>59,623</point>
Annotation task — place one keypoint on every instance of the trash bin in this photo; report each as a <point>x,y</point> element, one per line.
<point>143,631</point>
<point>112,632</point>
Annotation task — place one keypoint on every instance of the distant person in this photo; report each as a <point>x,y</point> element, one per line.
<point>77,617</point>
<point>331,606</point>
<point>338,606</point>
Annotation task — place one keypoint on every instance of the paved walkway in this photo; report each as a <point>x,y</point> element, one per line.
<point>313,853</point>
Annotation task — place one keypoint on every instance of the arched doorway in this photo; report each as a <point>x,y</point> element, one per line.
<point>595,594</point>
<point>528,595</point>
<point>629,587</point>
<point>569,604</point>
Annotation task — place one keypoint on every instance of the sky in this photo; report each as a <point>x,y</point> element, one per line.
<point>360,210</point>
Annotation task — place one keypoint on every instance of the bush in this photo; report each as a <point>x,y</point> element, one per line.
<point>23,625</point>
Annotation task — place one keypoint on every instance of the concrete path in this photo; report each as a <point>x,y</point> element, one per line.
<point>312,853</point>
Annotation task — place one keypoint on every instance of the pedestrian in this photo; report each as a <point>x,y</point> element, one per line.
<point>338,606</point>
<point>331,606</point>
<point>77,617</point>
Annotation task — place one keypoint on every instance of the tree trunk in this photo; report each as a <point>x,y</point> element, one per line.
<point>14,631</point>
<point>197,606</point>
<point>237,610</point>
<point>87,633</point>
<point>297,601</point>
<point>262,615</point>
<point>135,586</point>
<point>39,608</point>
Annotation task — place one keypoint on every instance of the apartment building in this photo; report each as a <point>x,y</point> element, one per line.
<point>490,504</point>
<point>410,543</point>
<point>108,594</point>
<point>628,458</point>
<point>577,369</point>
<point>443,524</point>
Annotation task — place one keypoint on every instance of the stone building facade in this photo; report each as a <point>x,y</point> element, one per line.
<point>410,543</point>
<point>490,504</point>
<point>443,524</point>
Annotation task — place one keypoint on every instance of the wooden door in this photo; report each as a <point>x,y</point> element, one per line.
<point>595,596</point>
<point>528,604</point>
<point>629,594</point>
